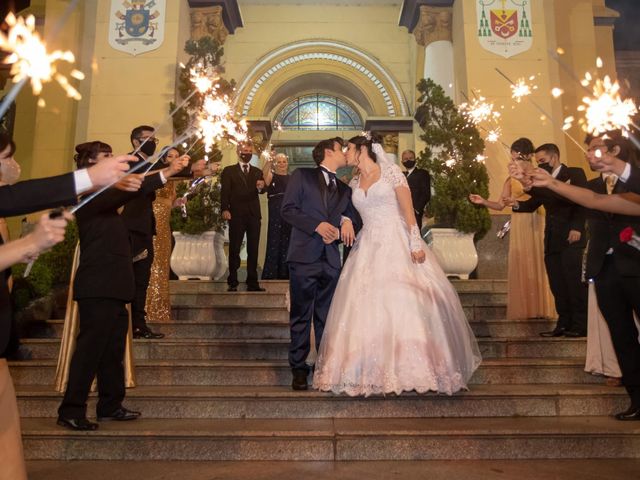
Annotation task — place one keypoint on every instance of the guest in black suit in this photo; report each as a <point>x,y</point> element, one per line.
<point>564,243</point>
<point>419,182</point>
<point>240,186</point>
<point>614,266</point>
<point>18,199</point>
<point>320,212</point>
<point>104,284</point>
<point>141,223</point>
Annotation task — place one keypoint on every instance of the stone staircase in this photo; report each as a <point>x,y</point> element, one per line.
<point>217,388</point>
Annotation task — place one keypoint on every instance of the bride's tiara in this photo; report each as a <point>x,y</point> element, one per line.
<point>366,134</point>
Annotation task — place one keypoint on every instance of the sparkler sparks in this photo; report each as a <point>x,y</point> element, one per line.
<point>29,58</point>
<point>521,89</point>
<point>606,110</point>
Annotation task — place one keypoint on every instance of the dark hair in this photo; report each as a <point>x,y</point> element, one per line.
<point>136,132</point>
<point>361,140</point>
<point>551,148</point>
<point>523,146</point>
<point>6,141</point>
<point>89,151</point>
<point>164,151</point>
<point>613,138</point>
<point>318,150</point>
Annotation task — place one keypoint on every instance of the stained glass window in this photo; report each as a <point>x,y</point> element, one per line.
<point>318,112</point>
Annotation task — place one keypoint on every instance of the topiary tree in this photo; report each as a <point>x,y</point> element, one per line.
<point>452,156</point>
<point>203,209</point>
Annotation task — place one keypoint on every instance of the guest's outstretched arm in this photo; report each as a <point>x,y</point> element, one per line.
<point>621,203</point>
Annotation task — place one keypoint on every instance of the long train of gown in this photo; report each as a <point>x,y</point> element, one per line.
<point>393,325</point>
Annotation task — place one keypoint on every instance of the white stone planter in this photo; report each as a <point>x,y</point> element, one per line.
<point>455,251</point>
<point>222,263</point>
<point>194,256</point>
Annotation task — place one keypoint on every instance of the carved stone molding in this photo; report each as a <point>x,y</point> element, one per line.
<point>390,142</point>
<point>433,25</point>
<point>207,21</point>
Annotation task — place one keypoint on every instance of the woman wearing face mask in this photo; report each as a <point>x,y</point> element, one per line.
<point>103,285</point>
<point>528,292</point>
<point>276,177</point>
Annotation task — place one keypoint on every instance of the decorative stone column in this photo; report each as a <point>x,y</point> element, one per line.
<point>433,31</point>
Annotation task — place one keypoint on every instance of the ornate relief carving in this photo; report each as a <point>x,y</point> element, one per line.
<point>434,24</point>
<point>208,22</point>
<point>390,142</point>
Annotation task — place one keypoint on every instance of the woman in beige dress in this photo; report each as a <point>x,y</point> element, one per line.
<point>528,292</point>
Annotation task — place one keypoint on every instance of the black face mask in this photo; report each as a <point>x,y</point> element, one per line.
<point>546,167</point>
<point>148,148</point>
<point>409,164</point>
<point>246,157</point>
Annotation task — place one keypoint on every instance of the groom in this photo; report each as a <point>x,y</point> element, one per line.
<point>319,209</point>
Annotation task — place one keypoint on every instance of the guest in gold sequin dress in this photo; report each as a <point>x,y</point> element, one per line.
<point>528,292</point>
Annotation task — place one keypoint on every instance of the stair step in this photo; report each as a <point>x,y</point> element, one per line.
<point>277,349</point>
<point>261,373</point>
<point>336,439</point>
<point>281,286</point>
<point>274,324</point>
<point>276,402</point>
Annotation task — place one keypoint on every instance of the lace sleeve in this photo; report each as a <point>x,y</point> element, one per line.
<point>396,177</point>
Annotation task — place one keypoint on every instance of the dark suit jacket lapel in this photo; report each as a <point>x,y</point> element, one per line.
<point>322,185</point>
<point>342,191</point>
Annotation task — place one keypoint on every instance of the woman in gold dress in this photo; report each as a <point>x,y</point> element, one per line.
<point>528,292</point>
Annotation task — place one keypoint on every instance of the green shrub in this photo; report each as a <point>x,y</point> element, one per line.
<point>451,157</point>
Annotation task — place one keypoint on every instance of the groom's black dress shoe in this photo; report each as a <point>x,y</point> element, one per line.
<point>255,288</point>
<point>119,415</point>
<point>77,423</point>
<point>232,288</point>
<point>299,379</point>
<point>556,332</point>
<point>632,414</point>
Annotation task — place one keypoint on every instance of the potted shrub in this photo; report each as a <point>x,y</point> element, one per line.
<point>198,228</point>
<point>453,157</point>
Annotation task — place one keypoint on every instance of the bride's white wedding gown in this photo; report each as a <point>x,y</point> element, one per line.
<point>393,325</point>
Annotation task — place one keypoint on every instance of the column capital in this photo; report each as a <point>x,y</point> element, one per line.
<point>230,11</point>
<point>207,22</point>
<point>410,12</point>
<point>434,24</point>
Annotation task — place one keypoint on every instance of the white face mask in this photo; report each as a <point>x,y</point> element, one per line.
<point>9,171</point>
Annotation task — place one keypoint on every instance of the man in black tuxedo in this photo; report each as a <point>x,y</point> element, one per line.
<point>240,186</point>
<point>419,182</point>
<point>141,223</point>
<point>320,212</point>
<point>104,283</point>
<point>615,268</point>
<point>564,243</point>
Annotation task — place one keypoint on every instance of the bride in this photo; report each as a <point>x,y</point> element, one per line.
<point>395,323</point>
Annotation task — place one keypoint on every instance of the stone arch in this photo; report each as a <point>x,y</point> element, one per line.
<point>366,81</point>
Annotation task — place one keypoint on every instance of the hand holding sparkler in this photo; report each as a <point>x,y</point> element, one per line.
<point>605,162</point>
<point>541,178</point>
<point>110,170</point>
<point>48,232</point>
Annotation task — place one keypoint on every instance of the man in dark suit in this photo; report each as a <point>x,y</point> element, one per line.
<point>141,223</point>
<point>104,283</point>
<point>320,212</point>
<point>564,243</point>
<point>419,182</point>
<point>240,186</point>
<point>614,268</point>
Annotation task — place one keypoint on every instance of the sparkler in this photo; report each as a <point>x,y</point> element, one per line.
<point>541,110</point>
<point>30,60</point>
<point>603,107</point>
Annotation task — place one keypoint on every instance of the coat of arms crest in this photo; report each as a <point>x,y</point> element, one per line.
<point>136,26</point>
<point>504,26</point>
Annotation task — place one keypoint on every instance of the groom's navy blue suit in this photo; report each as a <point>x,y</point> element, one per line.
<point>314,267</point>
